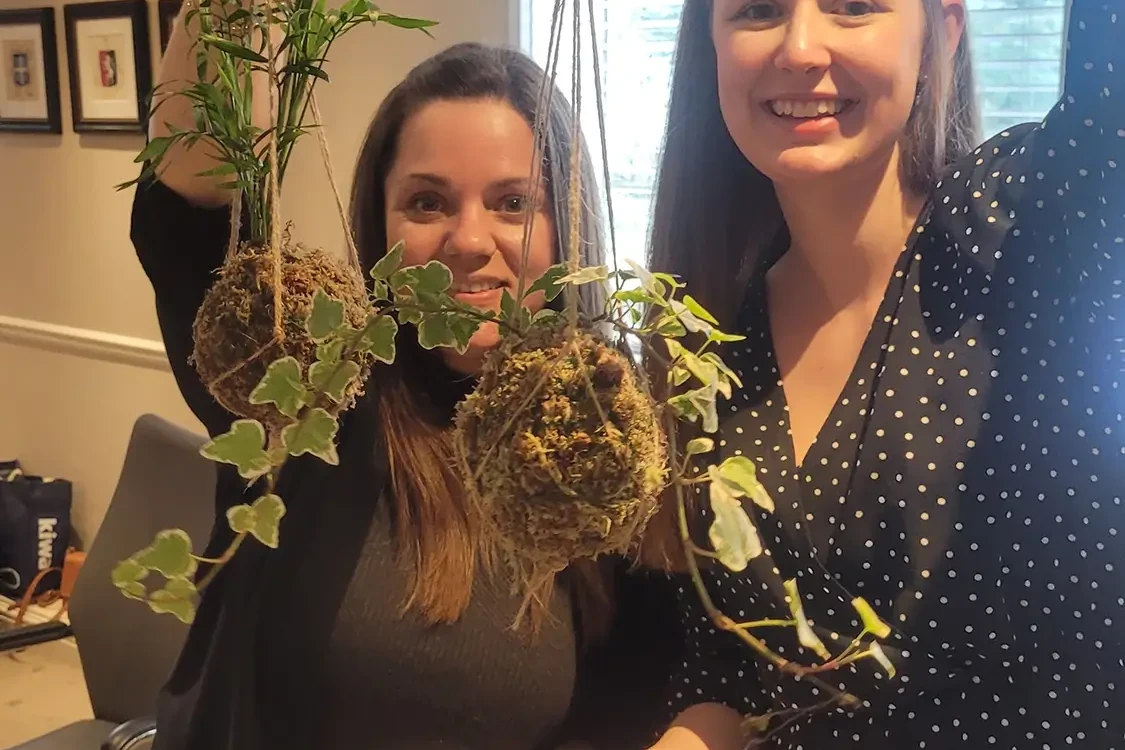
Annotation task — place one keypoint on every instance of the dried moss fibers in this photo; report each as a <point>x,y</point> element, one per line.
<point>236,320</point>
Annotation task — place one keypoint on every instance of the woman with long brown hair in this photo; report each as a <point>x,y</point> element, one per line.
<point>378,623</point>
<point>931,374</point>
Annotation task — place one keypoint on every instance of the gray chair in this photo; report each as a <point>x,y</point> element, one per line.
<point>127,651</point>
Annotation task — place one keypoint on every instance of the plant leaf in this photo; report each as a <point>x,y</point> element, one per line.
<point>243,447</point>
<point>871,621</point>
<point>389,263</point>
<point>330,350</point>
<point>232,49</point>
<point>688,318</point>
<point>155,148</point>
<point>177,598</point>
<point>805,632</point>
<point>240,518</point>
<point>698,446</point>
<point>127,576</point>
<point>326,317</point>
<point>432,278</point>
<point>550,283</point>
<point>728,373</point>
<point>169,554</point>
<point>698,310</point>
<point>651,284</point>
<point>669,325</point>
<point>636,297</point>
<point>268,512</point>
<point>314,434</point>
<point>282,386</point>
<point>880,656</point>
<point>740,473</point>
<point>378,338</point>
<point>718,337</point>
<point>586,275</point>
<point>733,535</point>
<point>698,403</point>
<point>405,23</point>
<point>333,378</point>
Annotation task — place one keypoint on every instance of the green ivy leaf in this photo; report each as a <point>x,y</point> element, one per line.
<point>871,621</point>
<point>550,283</point>
<point>326,317</point>
<point>587,275</point>
<point>678,375</point>
<point>169,554</point>
<point>314,434</point>
<point>380,290</point>
<point>333,378</point>
<point>517,316</point>
<point>243,447</point>
<point>741,476</point>
<point>281,385</point>
<point>378,338</point>
<point>718,337</point>
<point>698,446</point>
<point>636,297</point>
<point>389,263</point>
<point>698,310</point>
<point>669,326</point>
<point>732,534</point>
<point>240,518</point>
<point>805,632</point>
<point>177,598</point>
<point>546,315</point>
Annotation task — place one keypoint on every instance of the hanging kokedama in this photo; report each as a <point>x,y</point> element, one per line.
<point>567,458</point>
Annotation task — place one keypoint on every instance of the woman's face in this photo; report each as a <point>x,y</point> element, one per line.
<point>458,193</point>
<point>813,87</point>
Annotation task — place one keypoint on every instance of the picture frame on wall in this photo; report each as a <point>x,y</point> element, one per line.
<point>166,12</point>
<point>29,72</point>
<point>110,65</point>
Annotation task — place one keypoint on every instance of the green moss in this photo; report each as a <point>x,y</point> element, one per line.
<point>236,321</point>
<point>562,451</point>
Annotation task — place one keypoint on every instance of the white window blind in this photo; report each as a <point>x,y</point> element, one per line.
<point>1017,50</point>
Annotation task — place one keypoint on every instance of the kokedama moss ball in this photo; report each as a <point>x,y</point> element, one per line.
<point>236,320</point>
<point>569,456</point>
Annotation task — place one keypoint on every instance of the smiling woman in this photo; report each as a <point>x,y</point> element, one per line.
<point>406,641</point>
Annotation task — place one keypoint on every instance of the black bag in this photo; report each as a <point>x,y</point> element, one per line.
<point>7,468</point>
<point>34,531</point>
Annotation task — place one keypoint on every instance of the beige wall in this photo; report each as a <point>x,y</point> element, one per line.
<point>65,256</point>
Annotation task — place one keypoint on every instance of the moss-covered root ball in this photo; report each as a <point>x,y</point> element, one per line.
<point>234,327</point>
<point>562,451</point>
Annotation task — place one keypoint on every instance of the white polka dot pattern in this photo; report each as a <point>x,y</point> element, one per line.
<point>969,480</point>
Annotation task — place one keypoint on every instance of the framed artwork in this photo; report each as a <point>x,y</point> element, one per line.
<point>166,11</point>
<point>110,63</point>
<point>29,72</point>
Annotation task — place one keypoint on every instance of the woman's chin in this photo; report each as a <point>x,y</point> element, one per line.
<point>470,362</point>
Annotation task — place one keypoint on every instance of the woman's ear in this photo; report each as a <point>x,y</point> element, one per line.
<point>953,15</point>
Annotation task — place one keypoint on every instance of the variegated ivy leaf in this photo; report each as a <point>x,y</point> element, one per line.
<point>282,386</point>
<point>697,404</point>
<point>587,275</point>
<point>262,519</point>
<point>333,378</point>
<point>331,350</point>
<point>805,632</point>
<point>326,316</point>
<point>550,283</point>
<point>741,477</point>
<point>698,310</point>
<point>378,338</point>
<point>726,372</point>
<point>315,434</point>
<point>128,575</point>
<point>176,598</point>
<point>169,554</point>
<point>733,535</point>
<point>389,263</point>
<point>517,316</point>
<point>242,446</point>
<point>688,318</point>
<point>648,280</point>
<point>432,278</point>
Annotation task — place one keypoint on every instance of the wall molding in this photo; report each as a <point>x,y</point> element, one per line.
<point>84,342</point>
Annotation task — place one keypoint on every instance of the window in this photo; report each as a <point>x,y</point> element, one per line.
<point>1017,48</point>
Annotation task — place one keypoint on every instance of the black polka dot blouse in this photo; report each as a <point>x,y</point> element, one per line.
<point>968,482</point>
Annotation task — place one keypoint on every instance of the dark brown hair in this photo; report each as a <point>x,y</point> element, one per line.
<point>435,529</point>
<point>715,216</point>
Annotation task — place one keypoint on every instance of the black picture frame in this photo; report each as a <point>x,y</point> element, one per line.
<point>44,18</point>
<point>166,12</point>
<point>136,11</point>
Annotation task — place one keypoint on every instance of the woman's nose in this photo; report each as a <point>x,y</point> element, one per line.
<point>804,48</point>
<point>471,234</point>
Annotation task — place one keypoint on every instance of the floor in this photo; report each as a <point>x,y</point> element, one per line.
<point>41,689</point>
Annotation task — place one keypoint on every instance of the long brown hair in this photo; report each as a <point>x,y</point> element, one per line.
<point>435,531</point>
<point>715,216</point>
